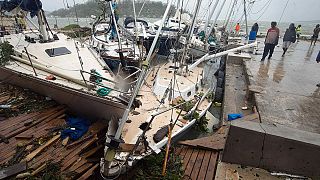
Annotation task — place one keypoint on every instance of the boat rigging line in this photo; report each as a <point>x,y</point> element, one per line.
<point>113,143</point>
<point>284,9</point>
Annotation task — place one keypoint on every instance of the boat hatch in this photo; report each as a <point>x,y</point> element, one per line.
<point>57,51</point>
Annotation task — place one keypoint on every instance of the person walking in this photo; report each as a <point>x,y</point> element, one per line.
<point>318,61</point>
<point>253,32</point>
<point>289,38</point>
<point>271,41</point>
<point>298,30</point>
<point>315,35</point>
<point>237,28</point>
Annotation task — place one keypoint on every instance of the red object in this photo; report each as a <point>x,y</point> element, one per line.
<point>237,27</point>
<point>51,77</point>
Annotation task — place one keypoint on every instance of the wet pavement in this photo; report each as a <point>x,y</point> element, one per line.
<point>290,96</point>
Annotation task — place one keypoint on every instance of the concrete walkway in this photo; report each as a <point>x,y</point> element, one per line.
<point>289,93</point>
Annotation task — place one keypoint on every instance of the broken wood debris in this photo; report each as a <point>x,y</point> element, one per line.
<point>33,145</point>
<point>213,142</point>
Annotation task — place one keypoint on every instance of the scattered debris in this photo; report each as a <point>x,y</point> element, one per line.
<point>234,116</point>
<point>213,142</point>
<point>288,175</point>
<point>31,128</point>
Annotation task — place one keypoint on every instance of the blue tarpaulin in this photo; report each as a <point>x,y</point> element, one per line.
<point>32,6</point>
<point>234,116</point>
<point>77,128</point>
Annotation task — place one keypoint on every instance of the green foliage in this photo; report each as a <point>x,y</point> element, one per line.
<point>77,31</point>
<point>151,9</point>
<point>151,167</point>
<point>210,97</point>
<point>202,125</point>
<point>71,27</point>
<point>6,50</point>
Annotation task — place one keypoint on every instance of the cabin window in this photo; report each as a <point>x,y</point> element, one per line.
<point>57,51</point>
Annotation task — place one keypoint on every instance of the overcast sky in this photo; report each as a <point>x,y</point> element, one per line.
<point>268,10</point>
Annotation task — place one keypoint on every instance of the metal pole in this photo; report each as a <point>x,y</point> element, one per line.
<point>245,16</point>
<point>215,20</point>
<point>210,16</point>
<point>116,26</point>
<point>231,12</point>
<point>35,73</point>
<point>135,25</point>
<point>143,73</point>
<point>109,153</point>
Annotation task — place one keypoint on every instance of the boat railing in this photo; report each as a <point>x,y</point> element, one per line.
<point>98,81</point>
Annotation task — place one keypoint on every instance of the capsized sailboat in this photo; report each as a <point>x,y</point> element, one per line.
<point>64,69</point>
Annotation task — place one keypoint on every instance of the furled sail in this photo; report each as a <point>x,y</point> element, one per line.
<point>32,6</point>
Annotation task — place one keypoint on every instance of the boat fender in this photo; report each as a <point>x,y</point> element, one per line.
<point>51,77</point>
<point>161,133</point>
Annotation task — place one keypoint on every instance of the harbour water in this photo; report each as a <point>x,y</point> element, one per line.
<point>307,27</point>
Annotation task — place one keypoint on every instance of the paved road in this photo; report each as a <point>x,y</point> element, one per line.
<point>290,96</point>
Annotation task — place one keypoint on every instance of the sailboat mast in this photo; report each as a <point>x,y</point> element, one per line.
<point>115,24</point>
<point>230,13</point>
<point>190,33</point>
<point>215,20</point>
<point>210,16</point>
<point>245,16</point>
<point>143,73</point>
<point>42,26</point>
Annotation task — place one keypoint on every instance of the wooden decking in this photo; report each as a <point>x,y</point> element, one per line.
<point>198,163</point>
<point>200,156</point>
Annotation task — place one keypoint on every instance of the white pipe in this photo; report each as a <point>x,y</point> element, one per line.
<point>210,16</point>
<point>207,56</point>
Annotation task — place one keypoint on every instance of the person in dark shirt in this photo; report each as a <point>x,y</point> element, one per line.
<point>253,33</point>
<point>318,61</point>
<point>315,35</point>
<point>289,38</point>
<point>271,41</point>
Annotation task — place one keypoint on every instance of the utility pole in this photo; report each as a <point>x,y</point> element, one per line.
<point>246,19</point>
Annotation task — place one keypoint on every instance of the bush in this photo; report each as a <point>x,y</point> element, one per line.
<point>6,50</point>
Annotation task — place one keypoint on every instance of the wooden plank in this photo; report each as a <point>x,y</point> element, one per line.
<point>81,161</point>
<point>42,119</point>
<point>204,165</point>
<point>84,168</point>
<point>187,157</point>
<point>214,142</point>
<point>89,172</point>
<point>80,141</point>
<point>212,166</point>
<point>192,161</point>
<point>72,157</point>
<point>183,152</point>
<point>197,165</point>
<point>177,150</point>
<point>41,148</point>
<point>5,124</point>
<point>12,170</point>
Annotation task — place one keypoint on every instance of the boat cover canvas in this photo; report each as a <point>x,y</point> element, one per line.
<point>32,6</point>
